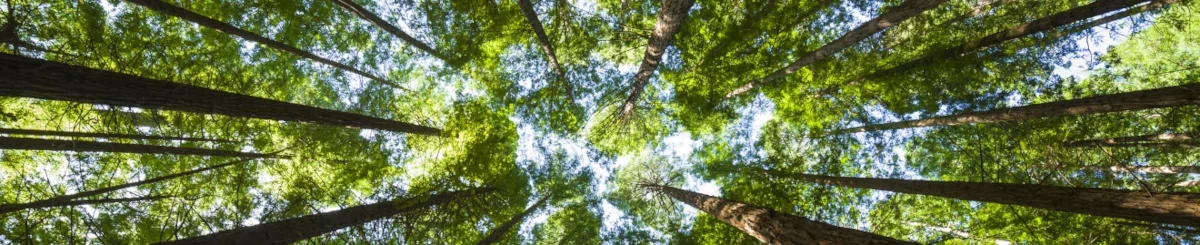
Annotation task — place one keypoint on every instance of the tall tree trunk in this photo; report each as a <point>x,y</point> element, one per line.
<point>92,146</point>
<point>670,18</point>
<point>296,229</point>
<point>66,200</point>
<point>14,131</point>
<point>1128,101</point>
<point>41,79</point>
<point>770,226</point>
<point>1168,208</point>
<point>1068,17</point>
<point>188,15</point>
<point>496,233</point>
<point>892,17</point>
<point>1187,140</point>
<point>547,47</point>
<point>369,16</point>
<point>1147,169</point>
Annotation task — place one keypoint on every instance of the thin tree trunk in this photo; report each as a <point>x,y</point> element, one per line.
<point>64,200</point>
<point>92,146</point>
<point>188,15</point>
<point>1125,141</point>
<point>1168,208</point>
<point>14,131</point>
<point>892,17</point>
<point>350,5</point>
<point>670,18</point>
<point>496,233</point>
<point>1147,169</point>
<point>1173,96</point>
<point>1085,12</point>
<point>547,47</point>
<point>1186,183</point>
<point>770,226</point>
<point>41,79</point>
<point>296,229</point>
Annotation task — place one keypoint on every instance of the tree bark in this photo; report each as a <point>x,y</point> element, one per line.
<point>547,47</point>
<point>892,17</point>
<point>296,229</point>
<point>92,146</point>
<point>670,18</point>
<point>350,5</point>
<point>1183,140</point>
<point>497,233</point>
<point>188,15</point>
<point>1167,208</point>
<point>14,131</point>
<point>1173,96</point>
<point>769,226</point>
<point>33,78</point>
<point>66,200</point>
<point>1085,12</point>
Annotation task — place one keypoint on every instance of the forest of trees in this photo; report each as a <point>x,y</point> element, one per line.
<point>600,122</point>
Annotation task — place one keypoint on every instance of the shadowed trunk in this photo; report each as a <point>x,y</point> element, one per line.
<point>1176,140</point>
<point>1167,208</point>
<point>369,16</point>
<point>496,233</point>
<point>670,18</point>
<point>178,12</point>
<point>14,131</point>
<point>41,79</point>
<point>892,17</point>
<point>1068,17</point>
<point>769,226</point>
<point>1129,101</point>
<point>92,146</point>
<point>67,200</point>
<point>296,229</point>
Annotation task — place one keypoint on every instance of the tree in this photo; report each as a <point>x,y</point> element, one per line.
<point>670,18</point>
<point>297,229</point>
<point>1168,208</point>
<point>15,131</point>
<point>892,17</point>
<point>41,79</point>
<point>91,146</point>
<point>547,47</point>
<point>952,231</point>
<point>770,226</point>
<point>75,199</point>
<point>367,15</point>
<point>505,228</point>
<point>1147,169</point>
<point>1173,96</point>
<point>1081,13</point>
<point>178,12</point>
<point>1175,140</point>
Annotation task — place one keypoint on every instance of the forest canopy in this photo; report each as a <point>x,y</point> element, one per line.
<point>600,122</point>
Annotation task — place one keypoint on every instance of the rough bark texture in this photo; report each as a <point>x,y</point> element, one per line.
<point>14,131</point>
<point>296,229</point>
<point>369,16</point>
<point>188,15</point>
<point>772,227</point>
<point>497,233</point>
<point>91,146</point>
<point>1137,100</point>
<point>1147,169</point>
<point>1167,208</point>
<point>33,78</point>
<point>65,200</point>
<point>670,18</point>
<point>1050,22</point>
<point>1183,140</point>
<point>892,17</point>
